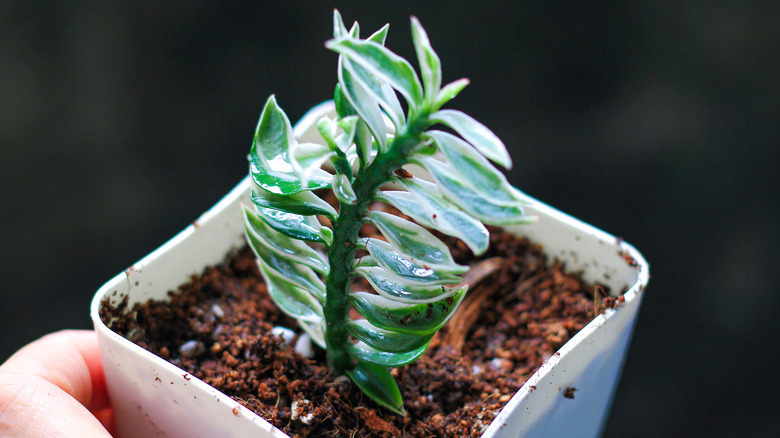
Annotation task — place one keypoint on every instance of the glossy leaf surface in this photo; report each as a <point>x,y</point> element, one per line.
<point>364,352</point>
<point>421,319</point>
<point>285,247</point>
<point>386,340</point>
<point>298,273</point>
<point>395,288</point>
<point>305,203</point>
<point>411,239</point>
<point>291,299</point>
<point>379,384</point>
<point>270,161</point>
<point>296,226</point>
<point>407,268</point>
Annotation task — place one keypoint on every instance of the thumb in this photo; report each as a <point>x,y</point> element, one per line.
<point>53,387</point>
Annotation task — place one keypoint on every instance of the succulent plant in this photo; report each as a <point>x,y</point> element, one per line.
<point>307,249</point>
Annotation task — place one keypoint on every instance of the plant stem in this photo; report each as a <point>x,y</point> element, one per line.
<point>346,229</point>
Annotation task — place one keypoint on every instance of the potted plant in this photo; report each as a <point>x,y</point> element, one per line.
<point>308,253</point>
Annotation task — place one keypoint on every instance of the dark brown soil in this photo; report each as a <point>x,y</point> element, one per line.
<point>518,312</point>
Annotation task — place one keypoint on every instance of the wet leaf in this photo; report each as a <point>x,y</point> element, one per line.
<point>395,288</point>
<point>270,162</point>
<point>343,189</point>
<point>411,239</point>
<point>407,268</point>
<point>296,226</point>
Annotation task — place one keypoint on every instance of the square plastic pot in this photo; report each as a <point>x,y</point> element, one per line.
<point>152,397</point>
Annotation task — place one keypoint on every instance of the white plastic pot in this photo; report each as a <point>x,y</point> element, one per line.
<point>152,397</point>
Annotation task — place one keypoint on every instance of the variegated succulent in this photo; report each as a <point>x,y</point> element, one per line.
<point>307,249</point>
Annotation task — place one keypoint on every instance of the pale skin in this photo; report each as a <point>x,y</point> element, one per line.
<point>55,387</point>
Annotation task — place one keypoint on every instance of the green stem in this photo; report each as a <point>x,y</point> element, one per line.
<point>341,254</point>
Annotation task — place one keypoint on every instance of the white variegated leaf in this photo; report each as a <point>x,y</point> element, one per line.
<point>462,194</point>
<point>361,100</point>
<point>390,359</point>
<point>305,202</point>
<point>445,216</point>
<point>410,270</point>
<point>308,159</point>
<point>378,91</point>
<point>415,241</point>
<point>382,63</point>
<point>343,189</point>
<point>477,134</point>
<point>291,299</point>
<point>430,65</point>
<point>474,168</point>
<point>293,250</point>
<point>421,319</point>
<point>395,288</point>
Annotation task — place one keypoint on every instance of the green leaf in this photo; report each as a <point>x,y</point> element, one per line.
<point>363,144</point>
<point>408,204</point>
<point>476,134</point>
<point>419,319</point>
<point>380,35</point>
<point>315,330</point>
<point>414,240</point>
<point>343,107</point>
<point>395,288</point>
<point>305,203</point>
<point>296,226</point>
<point>386,340</point>
<point>339,30</point>
<point>270,162</point>
<point>472,202</point>
<point>292,250</point>
<point>308,159</point>
<point>474,168</point>
<point>383,64</point>
<point>448,93</point>
<point>430,65</point>
<point>291,299</point>
<point>366,353</point>
<point>302,275</point>
<point>409,269</point>
<point>378,91</point>
<point>377,383</point>
<point>343,189</point>
<point>447,217</point>
<point>366,107</point>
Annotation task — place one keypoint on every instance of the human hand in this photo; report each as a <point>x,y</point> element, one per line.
<point>55,387</point>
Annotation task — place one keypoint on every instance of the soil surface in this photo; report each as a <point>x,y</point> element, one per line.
<point>517,313</point>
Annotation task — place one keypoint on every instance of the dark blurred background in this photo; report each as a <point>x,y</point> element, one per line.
<point>121,122</point>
